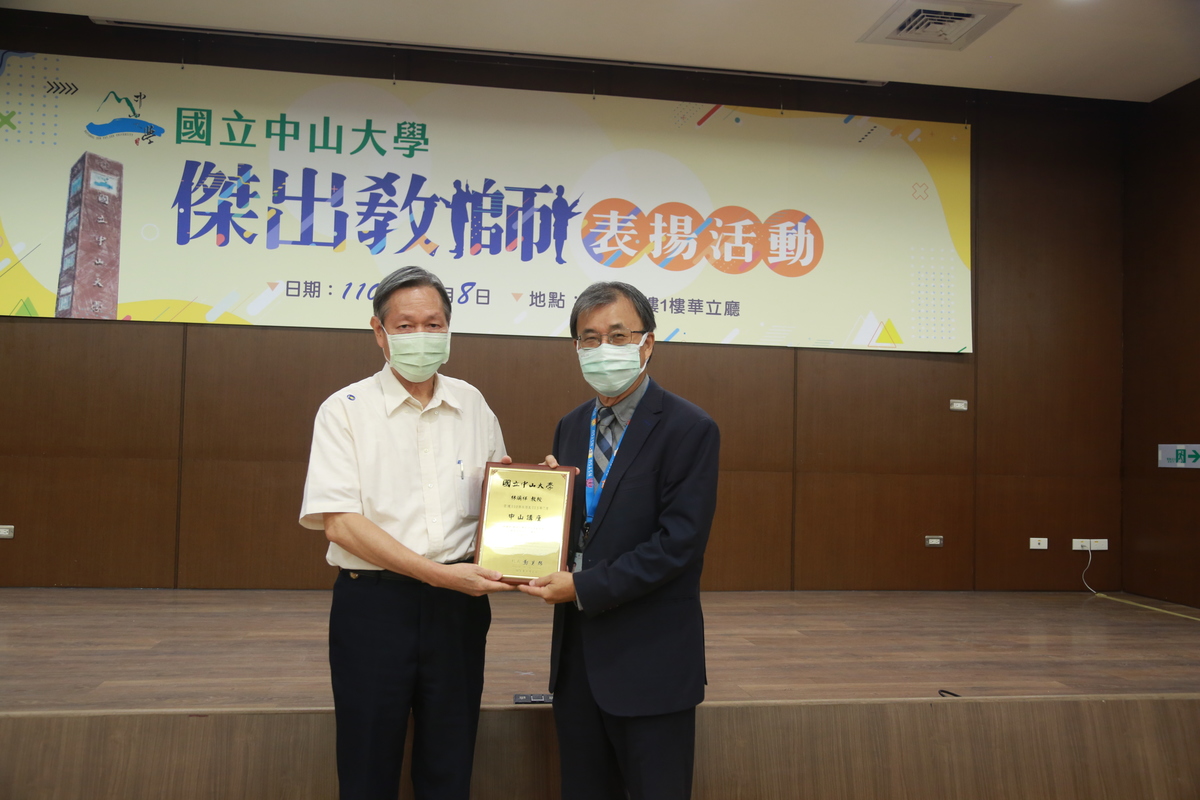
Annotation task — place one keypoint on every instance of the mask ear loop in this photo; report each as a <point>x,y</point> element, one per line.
<point>645,363</point>
<point>642,342</point>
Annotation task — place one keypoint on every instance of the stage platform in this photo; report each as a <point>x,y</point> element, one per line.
<point>225,694</point>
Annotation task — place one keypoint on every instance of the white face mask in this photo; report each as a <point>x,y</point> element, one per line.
<point>417,356</point>
<point>610,368</point>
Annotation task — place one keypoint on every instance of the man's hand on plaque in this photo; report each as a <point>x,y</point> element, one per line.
<point>471,579</point>
<point>552,463</point>
<point>557,587</point>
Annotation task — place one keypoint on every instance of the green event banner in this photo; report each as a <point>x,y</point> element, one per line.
<point>147,191</point>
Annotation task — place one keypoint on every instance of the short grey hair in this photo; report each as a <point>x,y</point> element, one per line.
<point>606,293</point>
<point>405,278</point>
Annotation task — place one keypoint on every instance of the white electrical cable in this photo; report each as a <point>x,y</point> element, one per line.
<point>1085,569</point>
<point>1123,600</point>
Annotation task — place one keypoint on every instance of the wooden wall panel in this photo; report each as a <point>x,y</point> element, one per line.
<point>750,548</point>
<point>1066,749</point>
<point>240,531</point>
<point>1011,509</point>
<point>1161,553</point>
<point>886,413</point>
<point>178,755</point>
<point>881,463</point>
<point>1057,749</point>
<point>100,522</point>
<point>746,390</point>
<point>1162,382</point>
<point>1048,284</point>
<point>89,453</point>
<point>1048,329</point>
<point>251,395</point>
<point>867,531</point>
<point>247,755</point>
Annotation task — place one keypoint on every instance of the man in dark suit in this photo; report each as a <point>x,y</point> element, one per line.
<point>627,664</point>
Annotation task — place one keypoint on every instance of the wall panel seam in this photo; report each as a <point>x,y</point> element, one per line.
<point>795,463</point>
<point>974,362</point>
<point>179,477</point>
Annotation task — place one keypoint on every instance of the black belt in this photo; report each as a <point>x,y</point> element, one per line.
<point>388,575</point>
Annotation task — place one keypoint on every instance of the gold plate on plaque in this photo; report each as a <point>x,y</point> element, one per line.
<point>524,515</point>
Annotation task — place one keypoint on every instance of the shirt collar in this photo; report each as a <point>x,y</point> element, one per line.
<point>624,409</point>
<point>395,395</point>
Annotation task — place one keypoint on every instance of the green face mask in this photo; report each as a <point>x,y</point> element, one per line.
<point>417,356</point>
<point>611,369</point>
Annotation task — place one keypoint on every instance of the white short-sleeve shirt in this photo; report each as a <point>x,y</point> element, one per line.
<point>415,472</point>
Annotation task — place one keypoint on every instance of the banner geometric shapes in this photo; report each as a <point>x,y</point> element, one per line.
<point>887,336</point>
<point>428,245</point>
<point>25,309</point>
<point>867,331</point>
<point>265,299</point>
<point>58,87</point>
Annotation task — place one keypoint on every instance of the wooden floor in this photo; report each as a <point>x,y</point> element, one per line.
<point>73,650</point>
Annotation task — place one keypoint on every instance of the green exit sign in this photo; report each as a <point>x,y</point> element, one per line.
<point>1179,456</point>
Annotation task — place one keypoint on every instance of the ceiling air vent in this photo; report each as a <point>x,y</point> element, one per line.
<point>943,26</point>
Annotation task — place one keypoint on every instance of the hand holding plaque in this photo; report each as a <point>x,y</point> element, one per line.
<point>524,517</point>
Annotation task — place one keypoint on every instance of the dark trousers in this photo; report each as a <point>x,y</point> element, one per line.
<point>396,647</point>
<point>605,757</point>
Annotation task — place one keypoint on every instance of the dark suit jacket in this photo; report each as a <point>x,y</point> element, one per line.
<point>642,626</point>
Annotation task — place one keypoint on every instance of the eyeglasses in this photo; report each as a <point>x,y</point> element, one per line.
<point>617,338</point>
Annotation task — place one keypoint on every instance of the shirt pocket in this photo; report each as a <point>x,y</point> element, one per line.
<point>470,488</point>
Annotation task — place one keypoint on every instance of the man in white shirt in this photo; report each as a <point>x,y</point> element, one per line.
<point>394,480</point>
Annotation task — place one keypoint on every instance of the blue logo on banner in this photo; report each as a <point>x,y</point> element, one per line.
<point>124,125</point>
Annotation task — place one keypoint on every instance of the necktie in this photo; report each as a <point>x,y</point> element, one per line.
<point>604,441</point>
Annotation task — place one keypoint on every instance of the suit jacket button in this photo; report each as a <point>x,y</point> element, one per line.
<point>354,575</point>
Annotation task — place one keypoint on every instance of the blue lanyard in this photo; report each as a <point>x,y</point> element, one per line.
<point>592,492</point>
